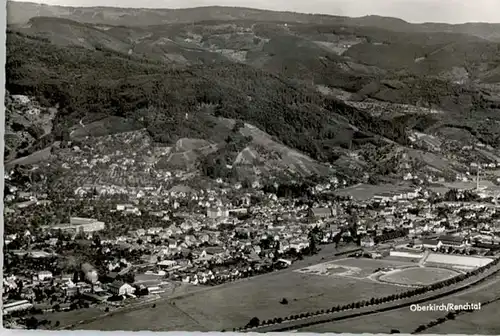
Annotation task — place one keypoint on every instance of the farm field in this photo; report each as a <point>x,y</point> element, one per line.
<point>407,321</point>
<point>418,276</point>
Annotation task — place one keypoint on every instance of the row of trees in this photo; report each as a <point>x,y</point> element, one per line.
<point>255,322</point>
<point>450,316</point>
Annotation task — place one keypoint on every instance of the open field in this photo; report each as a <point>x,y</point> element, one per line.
<point>363,192</point>
<point>483,322</point>
<point>75,316</point>
<point>34,158</point>
<point>71,317</point>
<point>418,276</point>
<point>163,317</point>
<point>407,321</point>
<point>234,304</point>
<point>83,317</point>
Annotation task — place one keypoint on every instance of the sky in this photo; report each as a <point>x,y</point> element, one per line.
<point>448,11</point>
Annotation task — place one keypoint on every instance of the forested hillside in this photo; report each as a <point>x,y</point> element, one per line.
<point>97,84</point>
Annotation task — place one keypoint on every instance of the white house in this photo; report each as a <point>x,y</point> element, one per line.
<point>431,244</point>
<point>172,244</point>
<point>44,275</point>
<point>219,212</point>
<point>119,288</point>
<point>367,242</point>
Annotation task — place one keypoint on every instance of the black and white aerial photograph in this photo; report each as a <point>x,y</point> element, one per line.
<point>252,166</point>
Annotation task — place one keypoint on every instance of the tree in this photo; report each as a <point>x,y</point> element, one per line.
<point>312,243</point>
<point>420,328</point>
<point>32,323</point>
<point>76,277</point>
<point>254,322</point>
<point>128,278</point>
<point>284,301</point>
<point>238,125</point>
<point>395,331</point>
<point>97,240</point>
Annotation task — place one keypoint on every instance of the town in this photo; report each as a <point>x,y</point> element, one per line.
<point>103,253</point>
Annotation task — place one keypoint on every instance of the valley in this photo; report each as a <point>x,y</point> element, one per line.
<point>221,168</point>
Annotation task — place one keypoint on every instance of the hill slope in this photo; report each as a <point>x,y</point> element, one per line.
<point>176,103</point>
<point>350,95</point>
<point>21,12</point>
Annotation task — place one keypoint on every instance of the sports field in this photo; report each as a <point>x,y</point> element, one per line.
<point>418,276</point>
<point>351,267</point>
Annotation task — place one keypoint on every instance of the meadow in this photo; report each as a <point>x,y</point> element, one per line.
<point>406,321</point>
<point>231,306</point>
<point>164,317</point>
<point>483,322</point>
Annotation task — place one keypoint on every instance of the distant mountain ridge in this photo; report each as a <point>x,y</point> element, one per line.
<point>22,12</point>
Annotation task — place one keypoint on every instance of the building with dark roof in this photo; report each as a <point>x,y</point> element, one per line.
<point>432,244</point>
<point>452,241</point>
<point>119,288</point>
<point>322,213</point>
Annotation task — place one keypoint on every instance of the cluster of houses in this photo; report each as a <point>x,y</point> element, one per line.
<point>213,236</point>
